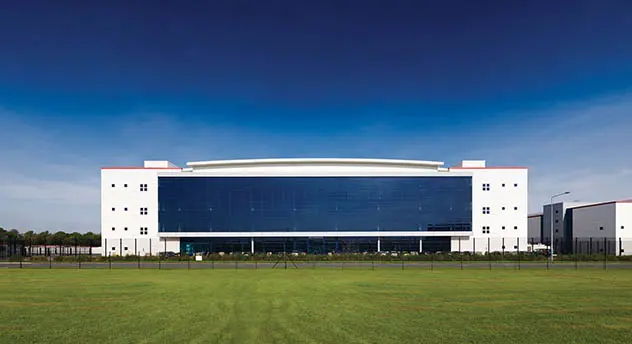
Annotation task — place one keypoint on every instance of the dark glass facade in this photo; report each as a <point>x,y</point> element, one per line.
<point>320,245</point>
<point>314,204</point>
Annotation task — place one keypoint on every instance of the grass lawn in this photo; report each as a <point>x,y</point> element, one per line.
<point>315,306</point>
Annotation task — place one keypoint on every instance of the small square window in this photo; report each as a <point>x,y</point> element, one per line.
<point>515,185</point>
<point>125,209</point>
<point>113,248</point>
<point>125,248</point>
<point>503,184</point>
<point>557,221</point>
<point>556,231</point>
<point>557,211</point>
<point>515,227</point>
<point>503,208</point>
<point>515,208</point>
<point>486,187</point>
<point>113,228</point>
<point>124,185</point>
<point>486,210</point>
<point>125,228</point>
<point>503,227</point>
<point>113,185</point>
<point>600,228</point>
<point>622,227</point>
<point>113,209</point>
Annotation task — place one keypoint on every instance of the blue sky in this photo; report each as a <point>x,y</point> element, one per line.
<point>541,83</point>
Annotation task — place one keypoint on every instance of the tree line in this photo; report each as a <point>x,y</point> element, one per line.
<point>59,238</point>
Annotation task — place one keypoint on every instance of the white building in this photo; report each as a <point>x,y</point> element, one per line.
<point>316,205</point>
<point>603,226</point>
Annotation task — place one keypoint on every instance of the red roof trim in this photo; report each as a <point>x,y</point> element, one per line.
<point>490,168</point>
<point>140,168</point>
<point>603,203</point>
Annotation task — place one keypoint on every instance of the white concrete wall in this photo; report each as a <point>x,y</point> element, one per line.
<point>120,197</point>
<point>623,225</point>
<point>510,196</point>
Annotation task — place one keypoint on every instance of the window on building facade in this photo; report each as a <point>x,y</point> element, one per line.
<point>622,227</point>
<point>124,185</point>
<point>515,185</point>
<point>314,204</point>
<point>486,210</point>
<point>125,248</point>
<point>143,230</point>
<point>125,228</point>
<point>113,228</point>
<point>125,209</point>
<point>515,227</point>
<point>503,208</point>
<point>143,187</point>
<point>143,211</point>
<point>503,184</point>
<point>113,185</point>
<point>485,229</point>
<point>113,209</point>
<point>113,248</point>
<point>600,228</point>
<point>515,208</point>
<point>486,187</point>
<point>503,227</point>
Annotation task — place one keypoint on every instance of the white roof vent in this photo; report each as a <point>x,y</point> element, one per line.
<point>159,164</point>
<point>472,163</point>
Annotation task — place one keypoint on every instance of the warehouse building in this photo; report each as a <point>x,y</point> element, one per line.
<point>313,205</point>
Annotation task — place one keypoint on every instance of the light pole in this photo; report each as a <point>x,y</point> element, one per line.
<point>551,214</point>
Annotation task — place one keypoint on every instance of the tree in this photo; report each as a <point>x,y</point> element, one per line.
<point>28,237</point>
<point>41,238</point>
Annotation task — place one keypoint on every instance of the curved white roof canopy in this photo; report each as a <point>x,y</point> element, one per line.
<point>315,162</point>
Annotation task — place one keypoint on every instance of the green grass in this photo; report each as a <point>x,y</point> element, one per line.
<point>315,306</point>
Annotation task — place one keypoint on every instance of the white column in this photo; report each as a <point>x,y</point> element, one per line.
<point>378,244</point>
<point>252,245</point>
<point>420,246</point>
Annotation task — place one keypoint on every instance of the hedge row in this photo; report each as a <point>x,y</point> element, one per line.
<point>494,256</point>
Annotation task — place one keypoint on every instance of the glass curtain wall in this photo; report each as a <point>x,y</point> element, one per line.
<point>313,204</point>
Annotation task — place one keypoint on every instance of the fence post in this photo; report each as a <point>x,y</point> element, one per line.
<point>575,251</point>
<point>489,255</point>
<point>605,253</point>
<point>620,245</point>
<point>136,251</point>
<point>50,261</point>
<point>518,245</point>
<point>461,253</point>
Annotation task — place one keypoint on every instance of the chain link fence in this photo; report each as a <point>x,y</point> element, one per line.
<point>603,253</point>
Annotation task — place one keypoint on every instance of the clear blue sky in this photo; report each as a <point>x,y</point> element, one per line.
<point>84,85</point>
